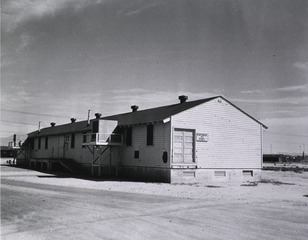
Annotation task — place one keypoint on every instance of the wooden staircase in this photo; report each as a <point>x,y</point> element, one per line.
<point>71,166</point>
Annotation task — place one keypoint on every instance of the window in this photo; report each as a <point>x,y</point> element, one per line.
<point>136,154</point>
<point>46,142</point>
<point>150,135</point>
<point>247,173</point>
<point>189,173</point>
<point>129,136</point>
<point>39,143</point>
<point>73,140</point>
<point>220,173</point>
<point>85,138</point>
<point>32,143</point>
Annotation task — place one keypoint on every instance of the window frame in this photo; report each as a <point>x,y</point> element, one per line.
<point>46,142</point>
<point>73,140</point>
<point>150,135</point>
<point>136,154</point>
<point>129,136</point>
<point>32,143</point>
<point>39,143</point>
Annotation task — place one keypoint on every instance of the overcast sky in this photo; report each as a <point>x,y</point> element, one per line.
<point>61,58</point>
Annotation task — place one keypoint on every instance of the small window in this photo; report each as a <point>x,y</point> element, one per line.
<point>73,140</point>
<point>84,139</point>
<point>32,143</point>
<point>189,173</point>
<point>247,173</point>
<point>136,154</point>
<point>129,136</point>
<point>220,173</point>
<point>150,135</point>
<point>39,143</point>
<point>46,142</point>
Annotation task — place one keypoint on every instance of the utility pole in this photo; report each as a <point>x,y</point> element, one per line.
<point>89,112</point>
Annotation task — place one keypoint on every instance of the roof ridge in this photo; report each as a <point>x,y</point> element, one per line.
<point>164,106</point>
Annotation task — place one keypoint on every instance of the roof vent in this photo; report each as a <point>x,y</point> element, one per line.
<point>183,98</point>
<point>134,108</point>
<point>73,120</point>
<point>52,124</point>
<point>98,115</point>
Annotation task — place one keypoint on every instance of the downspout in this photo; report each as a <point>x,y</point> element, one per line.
<point>171,149</point>
<point>64,148</point>
<point>110,158</point>
<point>261,129</point>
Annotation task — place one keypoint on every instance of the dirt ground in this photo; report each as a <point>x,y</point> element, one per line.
<point>36,205</point>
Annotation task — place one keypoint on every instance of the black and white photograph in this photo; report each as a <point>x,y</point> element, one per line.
<point>154,119</point>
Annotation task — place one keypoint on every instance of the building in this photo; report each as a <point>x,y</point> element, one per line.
<point>208,140</point>
<point>6,151</point>
<point>274,158</point>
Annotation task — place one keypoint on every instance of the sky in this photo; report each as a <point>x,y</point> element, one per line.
<point>61,58</point>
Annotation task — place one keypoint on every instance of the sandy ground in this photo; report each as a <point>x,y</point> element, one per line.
<point>36,205</point>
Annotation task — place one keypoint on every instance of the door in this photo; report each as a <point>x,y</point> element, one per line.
<point>183,146</point>
<point>60,150</point>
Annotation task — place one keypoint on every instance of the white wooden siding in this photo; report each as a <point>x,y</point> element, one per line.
<point>234,138</point>
<point>56,147</point>
<point>150,156</point>
<point>54,150</point>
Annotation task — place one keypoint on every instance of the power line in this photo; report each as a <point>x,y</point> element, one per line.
<point>36,114</point>
<point>285,134</point>
<point>19,122</point>
<point>11,136</point>
<point>289,143</point>
<point>14,132</point>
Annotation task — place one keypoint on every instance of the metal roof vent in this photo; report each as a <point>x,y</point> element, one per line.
<point>183,98</point>
<point>134,108</point>
<point>98,115</point>
<point>73,120</point>
<point>52,124</point>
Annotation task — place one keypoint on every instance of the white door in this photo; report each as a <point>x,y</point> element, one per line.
<point>183,146</point>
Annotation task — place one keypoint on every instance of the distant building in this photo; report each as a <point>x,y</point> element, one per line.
<point>6,151</point>
<point>273,158</point>
<point>208,140</point>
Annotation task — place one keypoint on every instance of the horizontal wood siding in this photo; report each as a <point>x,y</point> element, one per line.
<point>54,150</point>
<point>234,139</point>
<point>81,154</point>
<point>56,147</point>
<point>150,156</point>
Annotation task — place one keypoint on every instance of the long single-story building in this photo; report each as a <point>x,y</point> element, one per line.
<point>207,140</point>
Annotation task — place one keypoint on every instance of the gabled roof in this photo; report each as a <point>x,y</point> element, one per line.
<point>147,116</point>
<point>154,114</point>
<point>62,129</point>
<point>161,113</point>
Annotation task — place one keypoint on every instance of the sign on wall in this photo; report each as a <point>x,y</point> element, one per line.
<point>202,137</point>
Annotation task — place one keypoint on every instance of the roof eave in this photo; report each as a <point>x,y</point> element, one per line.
<point>264,126</point>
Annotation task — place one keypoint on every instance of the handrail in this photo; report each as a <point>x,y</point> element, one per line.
<point>103,138</point>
